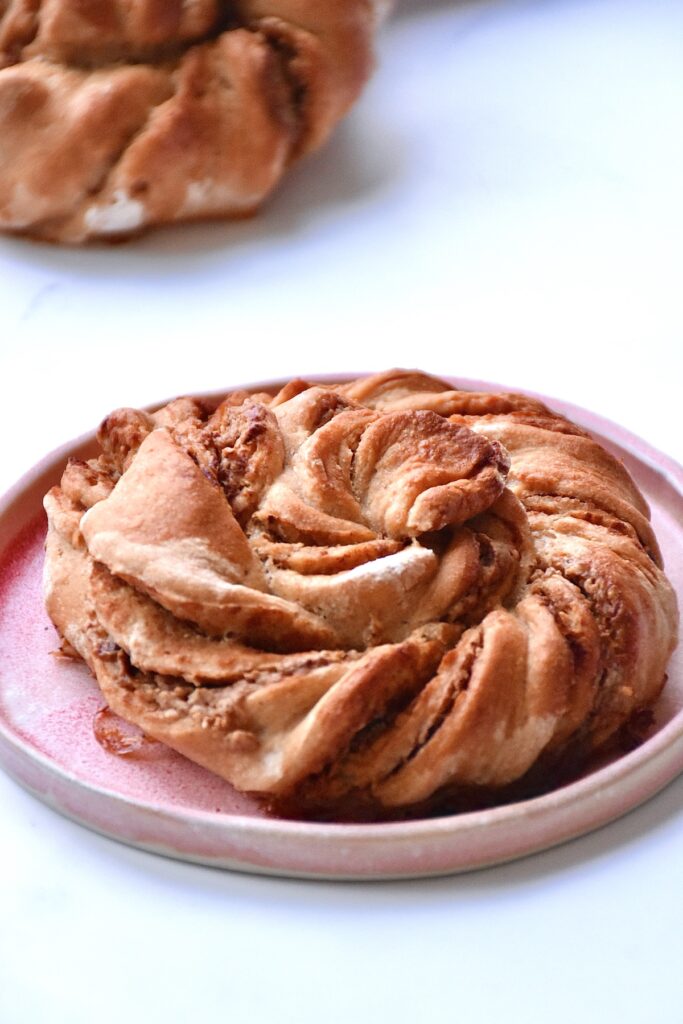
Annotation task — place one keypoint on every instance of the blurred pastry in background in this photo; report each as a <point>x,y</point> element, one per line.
<point>119,115</point>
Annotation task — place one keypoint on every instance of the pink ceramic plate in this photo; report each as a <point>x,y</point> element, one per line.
<point>171,806</point>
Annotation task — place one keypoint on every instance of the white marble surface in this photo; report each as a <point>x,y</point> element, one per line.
<point>505,204</point>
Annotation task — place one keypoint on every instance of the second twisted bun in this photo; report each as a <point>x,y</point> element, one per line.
<point>117,115</point>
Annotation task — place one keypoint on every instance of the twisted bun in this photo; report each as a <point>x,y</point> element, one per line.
<point>116,115</point>
<point>363,599</point>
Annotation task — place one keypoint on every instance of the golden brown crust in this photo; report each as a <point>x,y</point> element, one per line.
<point>117,115</point>
<point>359,608</point>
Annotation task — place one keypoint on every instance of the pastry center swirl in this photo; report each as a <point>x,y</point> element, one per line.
<point>336,526</point>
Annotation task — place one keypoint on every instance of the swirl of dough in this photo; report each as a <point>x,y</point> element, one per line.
<point>365,599</point>
<point>118,115</point>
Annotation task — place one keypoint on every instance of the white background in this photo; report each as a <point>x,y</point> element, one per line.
<point>505,204</point>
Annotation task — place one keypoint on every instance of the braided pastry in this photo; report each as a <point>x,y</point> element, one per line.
<point>116,115</point>
<point>362,600</point>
